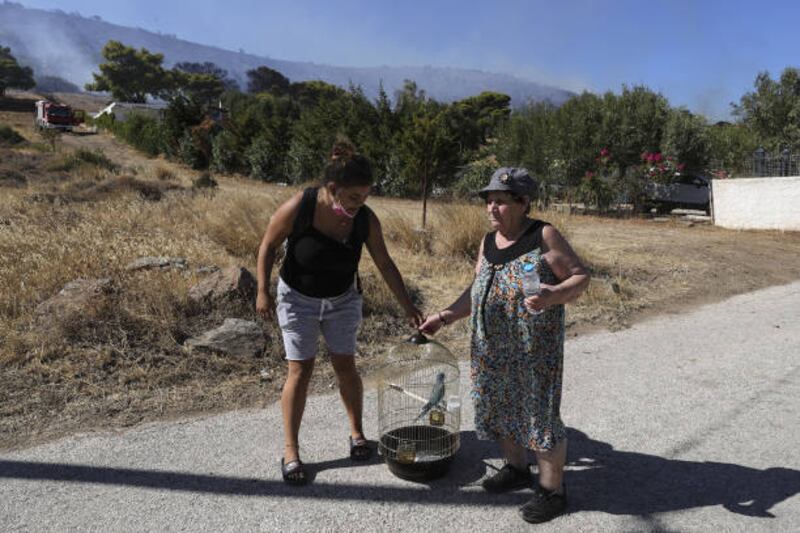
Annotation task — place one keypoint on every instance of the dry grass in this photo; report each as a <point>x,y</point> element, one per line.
<point>236,220</point>
<point>9,136</point>
<point>122,361</point>
<point>164,174</point>
<point>83,158</point>
<point>459,229</point>
<point>400,229</point>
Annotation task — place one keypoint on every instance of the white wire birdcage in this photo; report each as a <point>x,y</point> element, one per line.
<point>419,409</point>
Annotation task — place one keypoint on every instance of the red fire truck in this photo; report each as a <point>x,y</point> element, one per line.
<point>56,116</point>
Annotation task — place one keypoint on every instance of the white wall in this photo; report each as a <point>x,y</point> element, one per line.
<point>757,203</point>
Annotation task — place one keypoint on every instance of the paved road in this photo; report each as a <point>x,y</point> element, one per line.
<point>683,423</point>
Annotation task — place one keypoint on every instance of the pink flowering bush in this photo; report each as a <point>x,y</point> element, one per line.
<point>659,169</point>
<point>594,188</point>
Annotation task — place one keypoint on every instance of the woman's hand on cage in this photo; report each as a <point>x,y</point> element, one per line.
<point>432,324</point>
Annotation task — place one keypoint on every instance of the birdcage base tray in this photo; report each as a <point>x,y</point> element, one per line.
<point>426,466</point>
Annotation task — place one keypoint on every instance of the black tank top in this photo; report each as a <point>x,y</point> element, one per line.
<point>528,241</point>
<point>318,265</point>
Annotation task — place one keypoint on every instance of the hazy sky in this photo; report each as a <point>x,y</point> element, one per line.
<point>700,54</point>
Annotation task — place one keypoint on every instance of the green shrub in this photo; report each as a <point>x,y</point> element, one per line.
<point>390,180</point>
<point>225,155</point>
<point>190,153</point>
<point>264,160</point>
<point>96,158</point>
<point>105,121</point>
<point>143,132</point>
<point>474,177</point>
<point>180,116</point>
<point>9,136</point>
<point>303,161</point>
<point>593,191</point>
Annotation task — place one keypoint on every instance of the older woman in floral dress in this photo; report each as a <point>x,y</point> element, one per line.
<point>518,342</point>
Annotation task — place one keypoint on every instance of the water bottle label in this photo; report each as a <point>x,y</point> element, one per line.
<point>530,279</point>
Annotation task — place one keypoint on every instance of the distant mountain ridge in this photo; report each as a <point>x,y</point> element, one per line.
<point>68,45</point>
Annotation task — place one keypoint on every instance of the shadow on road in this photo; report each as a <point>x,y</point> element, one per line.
<point>629,483</point>
<point>599,478</point>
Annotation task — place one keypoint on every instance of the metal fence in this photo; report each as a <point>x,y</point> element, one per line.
<point>762,164</point>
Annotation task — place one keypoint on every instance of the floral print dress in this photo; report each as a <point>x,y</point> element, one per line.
<point>517,356</point>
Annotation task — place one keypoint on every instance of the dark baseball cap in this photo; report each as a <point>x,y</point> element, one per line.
<point>514,180</point>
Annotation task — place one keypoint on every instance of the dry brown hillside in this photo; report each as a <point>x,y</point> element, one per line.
<point>94,205</point>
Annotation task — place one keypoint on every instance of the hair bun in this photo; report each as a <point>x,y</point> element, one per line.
<point>347,168</point>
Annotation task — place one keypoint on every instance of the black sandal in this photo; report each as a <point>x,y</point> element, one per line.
<point>360,449</point>
<point>507,479</point>
<point>294,472</point>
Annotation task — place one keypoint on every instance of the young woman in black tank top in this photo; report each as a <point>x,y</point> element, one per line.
<point>325,228</point>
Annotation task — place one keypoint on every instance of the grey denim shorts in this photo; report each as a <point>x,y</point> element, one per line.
<point>302,318</point>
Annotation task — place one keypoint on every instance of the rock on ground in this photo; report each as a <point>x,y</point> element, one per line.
<point>163,263</point>
<point>227,283</point>
<point>238,337</point>
<point>76,297</point>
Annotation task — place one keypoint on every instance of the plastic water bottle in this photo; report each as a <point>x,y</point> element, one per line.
<point>530,282</point>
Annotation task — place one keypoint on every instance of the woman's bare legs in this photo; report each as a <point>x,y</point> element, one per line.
<point>351,390</point>
<point>551,463</point>
<point>551,467</point>
<point>293,403</point>
<point>516,455</point>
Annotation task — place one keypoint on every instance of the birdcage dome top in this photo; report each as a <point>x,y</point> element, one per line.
<point>419,350</point>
